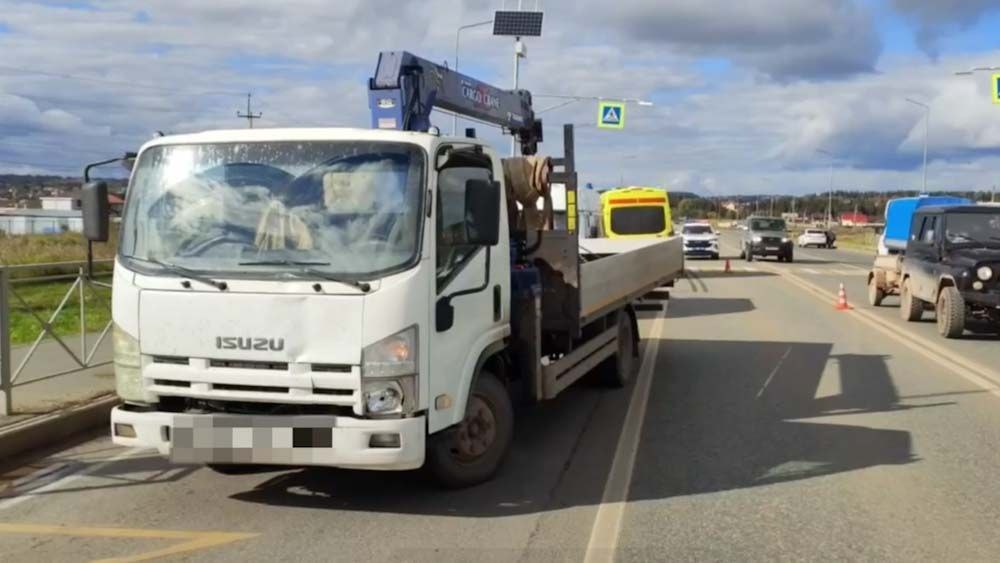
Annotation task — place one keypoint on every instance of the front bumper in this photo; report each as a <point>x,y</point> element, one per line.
<point>701,251</point>
<point>984,298</point>
<point>335,441</point>
<point>762,249</point>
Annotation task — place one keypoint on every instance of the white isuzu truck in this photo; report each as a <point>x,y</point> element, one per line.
<point>356,298</point>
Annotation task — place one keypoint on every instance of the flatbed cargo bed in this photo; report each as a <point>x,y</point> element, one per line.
<point>615,272</point>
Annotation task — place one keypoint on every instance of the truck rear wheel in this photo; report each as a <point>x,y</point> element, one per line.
<point>950,313</point>
<point>875,293</point>
<point>471,452</point>
<point>619,369</point>
<point>910,307</point>
<point>748,254</point>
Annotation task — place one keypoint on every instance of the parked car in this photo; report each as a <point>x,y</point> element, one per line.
<point>700,239</point>
<point>814,237</point>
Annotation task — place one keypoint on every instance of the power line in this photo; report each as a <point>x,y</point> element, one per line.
<point>138,85</point>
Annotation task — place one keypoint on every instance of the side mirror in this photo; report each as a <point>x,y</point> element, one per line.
<point>482,212</point>
<point>94,208</point>
<point>444,314</point>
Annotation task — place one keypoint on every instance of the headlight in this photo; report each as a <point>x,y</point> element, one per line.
<point>128,366</point>
<point>390,396</point>
<point>985,273</point>
<point>392,356</point>
<point>785,239</point>
<point>757,238</point>
<point>389,374</point>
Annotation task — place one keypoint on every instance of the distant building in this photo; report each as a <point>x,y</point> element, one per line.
<point>790,217</point>
<point>854,219</point>
<point>61,203</point>
<point>19,221</point>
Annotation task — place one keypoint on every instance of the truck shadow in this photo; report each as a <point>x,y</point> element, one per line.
<point>701,306</point>
<point>722,415</point>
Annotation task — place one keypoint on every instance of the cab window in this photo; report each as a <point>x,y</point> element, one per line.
<point>452,253</point>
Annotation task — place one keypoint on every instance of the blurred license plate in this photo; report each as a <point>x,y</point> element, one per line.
<point>772,248</point>
<point>243,440</point>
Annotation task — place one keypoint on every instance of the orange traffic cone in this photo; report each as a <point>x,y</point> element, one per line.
<point>728,268</point>
<point>842,299</point>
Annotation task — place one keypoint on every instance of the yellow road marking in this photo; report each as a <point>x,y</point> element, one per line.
<point>194,540</point>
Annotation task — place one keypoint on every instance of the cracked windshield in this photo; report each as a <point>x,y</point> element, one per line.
<point>243,208</point>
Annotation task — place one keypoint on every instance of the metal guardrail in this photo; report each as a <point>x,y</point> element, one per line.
<point>17,275</point>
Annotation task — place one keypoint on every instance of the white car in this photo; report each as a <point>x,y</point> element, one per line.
<point>700,239</point>
<point>813,237</point>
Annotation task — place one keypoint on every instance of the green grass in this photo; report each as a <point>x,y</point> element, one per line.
<point>37,249</point>
<point>43,297</point>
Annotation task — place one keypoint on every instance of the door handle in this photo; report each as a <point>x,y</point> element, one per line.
<point>497,303</point>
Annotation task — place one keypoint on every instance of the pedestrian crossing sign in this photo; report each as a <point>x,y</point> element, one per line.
<point>611,115</point>
<point>996,88</point>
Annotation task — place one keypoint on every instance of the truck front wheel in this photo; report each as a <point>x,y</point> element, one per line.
<point>471,452</point>
<point>910,307</point>
<point>950,313</point>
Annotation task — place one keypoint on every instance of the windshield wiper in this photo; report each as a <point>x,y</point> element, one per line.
<point>183,272</point>
<point>303,268</point>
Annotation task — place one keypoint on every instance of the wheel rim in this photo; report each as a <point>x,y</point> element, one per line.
<point>477,431</point>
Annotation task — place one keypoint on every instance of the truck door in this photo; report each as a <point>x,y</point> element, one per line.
<point>475,280</point>
<point>923,263</point>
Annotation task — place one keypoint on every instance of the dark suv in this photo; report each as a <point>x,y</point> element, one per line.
<point>766,236</point>
<point>952,265</point>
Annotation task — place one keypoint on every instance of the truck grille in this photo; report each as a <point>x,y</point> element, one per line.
<point>771,241</point>
<point>698,244</point>
<point>215,379</point>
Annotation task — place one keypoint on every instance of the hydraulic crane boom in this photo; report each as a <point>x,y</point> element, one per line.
<point>406,88</point>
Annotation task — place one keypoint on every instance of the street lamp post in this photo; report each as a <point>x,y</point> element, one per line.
<point>458,35</point>
<point>927,125</point>
<point>829,204</point>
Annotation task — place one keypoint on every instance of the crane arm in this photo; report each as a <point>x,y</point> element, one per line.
<point>406,88</point>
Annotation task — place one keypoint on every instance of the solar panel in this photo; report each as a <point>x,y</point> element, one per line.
<point>518,24</point>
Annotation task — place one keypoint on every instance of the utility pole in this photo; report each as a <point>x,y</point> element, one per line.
<point>249,115</point>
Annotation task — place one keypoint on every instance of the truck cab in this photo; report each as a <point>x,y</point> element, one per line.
<point>298,272</point>
<point>952,265</point>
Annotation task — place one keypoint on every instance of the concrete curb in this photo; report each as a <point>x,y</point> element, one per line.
<point>49,429</point>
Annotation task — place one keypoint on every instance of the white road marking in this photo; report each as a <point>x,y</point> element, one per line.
<point>810,271</point>
<point>608,521</point>
<point>65,480</point>
<point>774,371</point>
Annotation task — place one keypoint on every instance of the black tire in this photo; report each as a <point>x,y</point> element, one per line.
<point>471,452</point>
<point>875,293</point>
<point>789,257</point>
<point>715,256</point>
<point>618,370</point>
<point>748,254</point>
<point>743,254</point>
<point>910,308</point>
<point>950,313</point>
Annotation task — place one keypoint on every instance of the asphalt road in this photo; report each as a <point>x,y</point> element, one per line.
<point>775,428</point>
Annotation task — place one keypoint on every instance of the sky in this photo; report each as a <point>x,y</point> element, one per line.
<point>744,94</point>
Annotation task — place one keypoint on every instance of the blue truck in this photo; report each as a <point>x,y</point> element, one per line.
<point>941,254</point>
